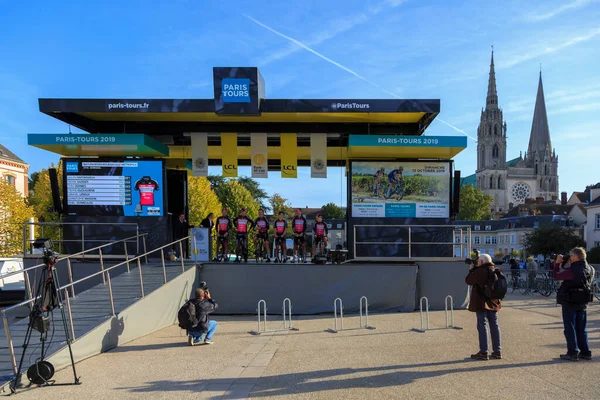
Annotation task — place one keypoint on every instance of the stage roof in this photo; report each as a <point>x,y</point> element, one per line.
<point>174,117</point>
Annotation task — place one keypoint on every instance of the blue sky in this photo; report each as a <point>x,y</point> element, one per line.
<point>349,49</point>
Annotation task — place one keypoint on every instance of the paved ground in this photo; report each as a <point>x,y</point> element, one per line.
<point>389,362</point>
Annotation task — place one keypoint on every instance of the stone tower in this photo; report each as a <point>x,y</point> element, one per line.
<point>491,148</point>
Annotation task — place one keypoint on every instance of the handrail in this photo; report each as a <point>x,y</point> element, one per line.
<point>105,271</point>
<point>73,255</point>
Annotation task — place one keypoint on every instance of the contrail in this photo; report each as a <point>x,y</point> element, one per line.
<point>329,60</point>
<point>316,53</point>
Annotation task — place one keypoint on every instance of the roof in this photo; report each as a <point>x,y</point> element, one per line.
<point>468,180</point>
<point>594,203</point>
<point>6,154</point>
<point>178,116</point>
<point>582,196</point>
<point>513,162</point>
<point>540,209</point>
<point>539,140</point>
<point>582,208</point>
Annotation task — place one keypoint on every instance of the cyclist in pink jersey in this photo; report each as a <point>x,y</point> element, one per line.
<point>280,230</point>
<point>223,227</point>
<point>243,224</point>
<point>320,234</point>
<point>262,231</point>
<point>299,226</point>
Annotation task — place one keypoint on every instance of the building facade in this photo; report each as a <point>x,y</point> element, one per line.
<point>14,170</point>
<point>532,175</point>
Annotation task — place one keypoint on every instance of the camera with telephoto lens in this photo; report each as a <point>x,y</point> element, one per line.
<point>566,259</point>
<point>204,286</point>
<point>473,261</point>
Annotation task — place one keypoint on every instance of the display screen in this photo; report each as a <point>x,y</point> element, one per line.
<point>414,189</point>
<point>129,188</point>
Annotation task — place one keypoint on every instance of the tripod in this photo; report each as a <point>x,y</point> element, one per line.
<point>47,297</point>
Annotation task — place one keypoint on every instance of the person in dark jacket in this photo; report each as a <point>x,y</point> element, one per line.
<point>578,277</point>
<point>515,272</point>
<point>485,309</point>
<point>204,306</point>
<point>208,222</point>
<point>181,230</point>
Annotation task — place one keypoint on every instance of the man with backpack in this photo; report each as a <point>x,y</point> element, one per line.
<point>488,289</point>
<point>193,317</point>
<point>574,294</point>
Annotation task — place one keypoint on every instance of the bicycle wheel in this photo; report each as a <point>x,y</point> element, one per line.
<point>523,286</point>
<point>511,285</point>
<point>545,288</point>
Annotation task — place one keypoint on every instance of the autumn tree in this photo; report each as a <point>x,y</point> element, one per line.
<point>203,200</point>
<point>333,211</point>
<point>14,211</point>
<point>278,203</point>
<point>40,199</point>
<point>474,204</point>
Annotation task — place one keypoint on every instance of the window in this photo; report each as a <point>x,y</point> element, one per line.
<point>495,151</point>
<point>457,239</point>
<point>457,252</point>
<point>501,239</point>
<point>512,239</point>
<point>466,239</point>
<point>488,227</point>
<point>500,184</point>
<point>491,182</point>
<point>10,179</point>
<point>596,244</point>
<point>597,221</point>
<point>488,240</point>
<point>476,240</point>
<point>506,239</point>
<point>494,240</point>
<point>477,227</point>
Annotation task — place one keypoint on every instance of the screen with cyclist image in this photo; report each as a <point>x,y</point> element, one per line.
<point>400,189</point>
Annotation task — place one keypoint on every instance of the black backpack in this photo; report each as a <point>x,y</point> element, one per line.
<point>187,315</point>
<point>496,287</point>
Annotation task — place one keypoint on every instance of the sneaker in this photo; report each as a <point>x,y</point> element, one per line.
<point>197,342</point>
<point>569,357</point>
<point>191,340</point>
<point>268,260</point>
<point>496,355</point>
<point>208,341</point>
<point>480,356</point>
<point>587,357</point>
<point>285,260</point>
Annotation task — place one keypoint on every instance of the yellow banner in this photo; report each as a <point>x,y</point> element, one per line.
<point>230,155</point>
<point>289,155</point>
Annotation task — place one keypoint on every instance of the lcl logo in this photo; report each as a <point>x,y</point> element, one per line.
<point>229,166</point>
<point>289,167</point>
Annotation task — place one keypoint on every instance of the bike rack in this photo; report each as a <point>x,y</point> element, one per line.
<point>422,330</point>
<point>341,312</point>
<point>287,318</point>
<point>451,324</point>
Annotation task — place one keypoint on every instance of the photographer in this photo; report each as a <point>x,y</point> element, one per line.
<point>485,308</point>
<point>573,295</point>
<point>204,306</point>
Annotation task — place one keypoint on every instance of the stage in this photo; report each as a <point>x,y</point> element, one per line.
<point>389,287</point>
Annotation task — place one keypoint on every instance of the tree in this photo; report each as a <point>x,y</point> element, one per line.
<point>278,203</point>
<point>498,254</point>
<point>474,204</point>
<point>332,211</point>
<point>593,256</point>
<point>550,238</point>
<point>515,253</point>
<point>40,199</point>
<point>14,211</point>
<point>234,197</point>
<point>253,187</point>
<point>203,200</point>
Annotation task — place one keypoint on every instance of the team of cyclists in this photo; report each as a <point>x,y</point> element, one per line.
<point>394,182</point>
<point>242,225</point>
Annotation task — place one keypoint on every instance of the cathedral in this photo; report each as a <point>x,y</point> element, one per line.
<point>533,175</point>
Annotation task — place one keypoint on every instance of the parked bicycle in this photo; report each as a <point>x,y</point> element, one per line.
<point>259,252</point>
<point>220,248</point>
<point>241,248</point>
<point>280,257</point>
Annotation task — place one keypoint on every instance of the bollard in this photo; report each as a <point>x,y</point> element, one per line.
<point>264,316</point>
<point>450,325</point>
<point>335,314</point>
<point>421,314</point>
<point>366,325</point>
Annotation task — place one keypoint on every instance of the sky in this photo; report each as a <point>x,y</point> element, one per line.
<point>373,49</point>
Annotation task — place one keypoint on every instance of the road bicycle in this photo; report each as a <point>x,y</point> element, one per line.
<point>241,248</point>
<point>279,256</point>
<point>397,189</point>
<point>259,252</point>
<point>221,256</point>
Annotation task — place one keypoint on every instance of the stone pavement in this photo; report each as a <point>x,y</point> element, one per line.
<point>389,362</point>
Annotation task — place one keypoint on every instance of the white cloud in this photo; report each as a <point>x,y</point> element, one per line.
<point>544,15</point>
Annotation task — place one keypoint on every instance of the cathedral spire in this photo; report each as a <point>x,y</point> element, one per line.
<point>492,94</point>
<point>539,141</point>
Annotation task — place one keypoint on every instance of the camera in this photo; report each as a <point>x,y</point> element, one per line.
<point>473,261</point>
<point>204,286</point>
<point>566,259</point>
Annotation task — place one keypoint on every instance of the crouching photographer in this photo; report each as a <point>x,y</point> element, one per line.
<point>193,317</point>
<point>573,295</point>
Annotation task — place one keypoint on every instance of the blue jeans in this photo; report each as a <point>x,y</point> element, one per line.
<point>197,335</point>
<point>492,318</point>
<point>575,332</point>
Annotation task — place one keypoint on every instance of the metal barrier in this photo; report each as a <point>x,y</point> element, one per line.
<point>341,310</point>
<point>105,272</point>
<point>450,324</point>
<point>287,318</point>
<point>462,231</point>
<point>27,226</point>
<point>421,314</point>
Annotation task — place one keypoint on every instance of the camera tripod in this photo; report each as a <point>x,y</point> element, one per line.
<point>46,298</point>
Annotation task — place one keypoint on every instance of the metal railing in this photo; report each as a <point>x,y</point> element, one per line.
<point>44,226</point>
<point>411,231</point>
<point>106,278</point>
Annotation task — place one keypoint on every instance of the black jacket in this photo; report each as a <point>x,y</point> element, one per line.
<point>207,223</point>
<point>181,229</point>
<point>203,308</point>
<point>583,277</point>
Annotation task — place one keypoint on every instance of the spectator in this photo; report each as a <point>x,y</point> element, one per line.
<point>182,230</point>
<point>204,306</point>
<point>532,271</point>
<point>485,309</point>
<point>573,295</point>
<point>515,272</point>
